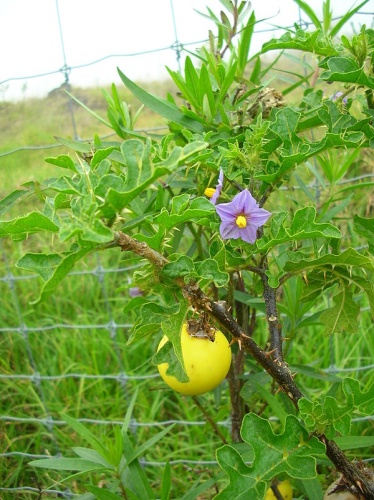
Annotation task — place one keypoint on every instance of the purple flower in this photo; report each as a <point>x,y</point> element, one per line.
<point>241,217</point>
<point>212,193</point>
<point>337,96</point>
<point>135,292</point>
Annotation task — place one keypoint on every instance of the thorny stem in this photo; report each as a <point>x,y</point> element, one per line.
<point>277,368</point>
<point>275,328</point>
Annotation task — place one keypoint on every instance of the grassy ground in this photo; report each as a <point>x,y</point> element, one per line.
<point>82,330</point>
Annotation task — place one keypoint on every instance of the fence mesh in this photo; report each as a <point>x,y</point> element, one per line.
<point>32,337</point>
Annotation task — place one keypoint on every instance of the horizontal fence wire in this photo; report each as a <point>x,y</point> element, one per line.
<point>113,326</point>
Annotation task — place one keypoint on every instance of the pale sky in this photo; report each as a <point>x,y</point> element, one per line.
<point>95,29</point>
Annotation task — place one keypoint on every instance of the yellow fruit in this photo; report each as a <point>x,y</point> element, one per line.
<point>285,489</point>
<point>206,363</point>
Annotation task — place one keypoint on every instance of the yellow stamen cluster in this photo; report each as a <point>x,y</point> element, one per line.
<point>241,221</point>
<point>209,192</point>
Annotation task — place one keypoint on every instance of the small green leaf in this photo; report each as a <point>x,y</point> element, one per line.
<point>100,155</point>
<point>91,456</point>
<point>179,268</point>
<point>149,319</point>
<point>198,208</point>
<point>208,270</point>
<point>63,161</point>
<point>167,354</point>
<point>34,222</point>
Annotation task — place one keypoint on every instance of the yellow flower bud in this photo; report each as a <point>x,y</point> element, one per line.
<point>209,192</point>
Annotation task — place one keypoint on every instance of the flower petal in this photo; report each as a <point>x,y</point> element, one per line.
<point>229,230</point>
<point>226,212</point>
<point>249,234</point>
<point>259,216</point>
<point>218,190</point>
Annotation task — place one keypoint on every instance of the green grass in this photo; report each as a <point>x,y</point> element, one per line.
<point>63,335</point>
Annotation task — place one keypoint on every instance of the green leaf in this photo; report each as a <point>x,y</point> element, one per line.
<point>179,268</point>
<point>342,316</point>
<point>314,42</point>
<point>81,147</point>
<point>149,319</point>
<point>11,199</point>
<point>141,172</point>
<point>350,258</point>
<point>91,456</point>
<point>100,155</point>
<point>34,222</point>
<point>86,434</point>
<point>197,209</point>
<point>172,327</point>
<point>166,483</point>
<point>63,161</point>
<point>129,412</point>
<point>343,20</point>
<point>292,452</point>
<point>208,270</point>
<point>354,442</point>
<point>365,227</point>
<point>43,264</point>
<point>161,106</point>
<point>134,476</point>
<point>167,354</point>
<point>342,69</point>
<point>303,226</point>
<point>75,464</point>
<point>101,494</point>
<point>245,43</point>
<point>309,12</point>
<point>58,273</point>
<point>329,417</point>
<point>150,443</point>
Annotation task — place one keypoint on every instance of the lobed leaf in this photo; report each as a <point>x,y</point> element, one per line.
<point>303,226</point>
<point>292,452</point>
<point>34,222</point>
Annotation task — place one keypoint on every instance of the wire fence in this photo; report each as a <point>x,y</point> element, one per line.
<point>33,369</point>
